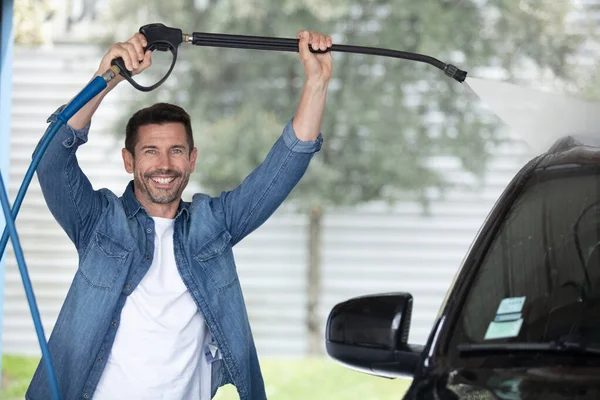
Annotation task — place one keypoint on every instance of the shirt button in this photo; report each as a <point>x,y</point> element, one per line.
<point>99,358</point>
<point>85,395</point>
<point>114,323</point>
<point>149,230</point>
<point>147,257</point>
<point>128,288</point>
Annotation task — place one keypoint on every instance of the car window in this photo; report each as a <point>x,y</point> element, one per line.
<point>540,279</point>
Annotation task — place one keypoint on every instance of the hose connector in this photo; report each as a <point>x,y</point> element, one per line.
<point>110,73</point>
<point>453,72</point>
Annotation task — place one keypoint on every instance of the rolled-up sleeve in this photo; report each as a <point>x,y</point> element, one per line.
<point>66,135</point>
<point>264,189</point>
<point>68,193</point>
<point>295,144</point>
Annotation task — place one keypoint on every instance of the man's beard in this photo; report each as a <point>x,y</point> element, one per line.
<point>159,195</point>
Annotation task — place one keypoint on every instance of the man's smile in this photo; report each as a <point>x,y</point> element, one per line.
<point>163,181</point>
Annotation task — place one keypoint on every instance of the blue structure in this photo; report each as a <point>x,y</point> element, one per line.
<point>6,51</point>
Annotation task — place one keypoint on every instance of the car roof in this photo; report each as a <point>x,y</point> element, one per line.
<point>572,150</point>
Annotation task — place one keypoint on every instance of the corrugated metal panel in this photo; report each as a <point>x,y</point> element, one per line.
<point>365,250</point>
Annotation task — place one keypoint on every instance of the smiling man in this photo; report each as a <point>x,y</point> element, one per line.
<point>155,310</point>
<point>159,152</point>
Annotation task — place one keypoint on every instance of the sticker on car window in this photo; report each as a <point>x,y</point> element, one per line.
<point>508,320</point>
<point>511,305</point>
<point>506,329</point>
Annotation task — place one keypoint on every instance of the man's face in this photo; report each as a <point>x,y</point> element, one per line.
<point>162,163</point>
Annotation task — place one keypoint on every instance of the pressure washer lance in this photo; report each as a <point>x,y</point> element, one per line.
<point>164,38</point>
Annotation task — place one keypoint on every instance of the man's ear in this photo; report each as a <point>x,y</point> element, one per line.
<point>127,160</point>
<point>193,156</point>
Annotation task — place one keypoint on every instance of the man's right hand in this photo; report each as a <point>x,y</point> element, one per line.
<point>132,53</point>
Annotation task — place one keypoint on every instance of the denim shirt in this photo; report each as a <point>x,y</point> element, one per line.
<point>114,238</point>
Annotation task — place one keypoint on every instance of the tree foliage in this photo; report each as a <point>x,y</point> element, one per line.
<point>31,21</point>
<point>385,117</point>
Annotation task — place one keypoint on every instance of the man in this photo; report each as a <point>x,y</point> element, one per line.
<point>155,310</point>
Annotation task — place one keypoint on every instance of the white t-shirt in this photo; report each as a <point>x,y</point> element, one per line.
<point>157,353</point>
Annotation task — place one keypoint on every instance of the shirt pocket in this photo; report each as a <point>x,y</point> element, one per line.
<point>104,261</point>
<point>216,260</point>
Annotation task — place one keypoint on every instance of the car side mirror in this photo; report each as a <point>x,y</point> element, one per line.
<point>370,334</point>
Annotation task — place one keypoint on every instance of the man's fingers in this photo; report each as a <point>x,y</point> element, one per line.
<point>304,37</point>
<point>147,61</point>
<point>141,38</point>
<point>132,54</point>
<point>322,42</point>
<point>138,46</point>
<point>117,50</point>
<point>316,40</point>
<point>120,50</point>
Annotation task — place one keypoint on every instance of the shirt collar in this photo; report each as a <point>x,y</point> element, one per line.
<point>132,206</point>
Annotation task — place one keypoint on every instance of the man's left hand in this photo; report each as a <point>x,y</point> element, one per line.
<point>317,66</point>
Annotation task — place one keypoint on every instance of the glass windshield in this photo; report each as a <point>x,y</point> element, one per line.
<point>540,279</point>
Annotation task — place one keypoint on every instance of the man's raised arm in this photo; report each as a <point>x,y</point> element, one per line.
<point>251,203</point>
<point>67,191</point>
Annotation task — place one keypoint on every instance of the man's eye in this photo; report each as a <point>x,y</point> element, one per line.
<point>177,151</point>
<point>149,151</point>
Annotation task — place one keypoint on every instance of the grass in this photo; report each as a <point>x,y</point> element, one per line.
<point>16,374</point>
<point>285,379</point>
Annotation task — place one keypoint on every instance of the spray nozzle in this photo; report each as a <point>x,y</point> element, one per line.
<point>455,73</point>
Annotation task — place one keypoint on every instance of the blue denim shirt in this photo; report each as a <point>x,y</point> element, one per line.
<point>114,238</point>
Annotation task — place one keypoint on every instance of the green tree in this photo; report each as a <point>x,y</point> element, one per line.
<point>385,118</point>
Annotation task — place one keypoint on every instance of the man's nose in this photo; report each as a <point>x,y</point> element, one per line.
<point>164,161</point>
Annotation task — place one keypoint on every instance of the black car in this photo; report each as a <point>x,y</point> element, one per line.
<point>522,318</point>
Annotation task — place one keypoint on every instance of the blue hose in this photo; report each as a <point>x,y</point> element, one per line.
<point>93,88</point>
<point>39,329</point>
<point>97,85</point>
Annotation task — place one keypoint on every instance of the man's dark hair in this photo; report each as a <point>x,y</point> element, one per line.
<point>159,113</point>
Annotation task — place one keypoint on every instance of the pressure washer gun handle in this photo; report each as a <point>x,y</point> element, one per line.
<point>161,38</point>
